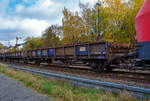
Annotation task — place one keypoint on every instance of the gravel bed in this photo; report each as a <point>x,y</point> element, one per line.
<point>87,74</point>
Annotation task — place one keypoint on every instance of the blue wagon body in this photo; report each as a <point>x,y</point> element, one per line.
<point>144,51</point>
<point>82,50</point>
<point>51,52</point>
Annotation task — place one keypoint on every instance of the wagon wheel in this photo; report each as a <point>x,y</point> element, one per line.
<point>9,60</point>
<point>49,61</point>
<point>37,62</point>
<point>93,66</point>
<point>109,68</point>
<point>25,61</point>
<point>100,67</point>
<point>97,66</point>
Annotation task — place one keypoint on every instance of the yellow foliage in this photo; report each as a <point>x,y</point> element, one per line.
<point>120,15</point>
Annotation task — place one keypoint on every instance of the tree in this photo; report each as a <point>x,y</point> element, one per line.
<point>73,28</point>
<point>1,46</point>
<point>116,25</point>
<point>50,37</point>
<point>89,20</point>
<point>33,43</point>
<point>129,24</point>
<point>117,19</point>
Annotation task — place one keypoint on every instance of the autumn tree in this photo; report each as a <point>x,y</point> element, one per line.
<point>73,27</point>
<point>128,23</point>
<point>118,19</point>
<point>50,37</point>
<point>116,25</point>
<point>33,43</point>
<point>1,46</point>
<point>89,18</point>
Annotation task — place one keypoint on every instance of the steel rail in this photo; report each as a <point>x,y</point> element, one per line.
<point>137,92</point>
<point>116,71</point>
<point>126,75</point>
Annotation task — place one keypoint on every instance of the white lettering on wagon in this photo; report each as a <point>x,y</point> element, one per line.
<point>82,49</point>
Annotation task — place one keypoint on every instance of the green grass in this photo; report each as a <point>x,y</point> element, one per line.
<point>62,90</point>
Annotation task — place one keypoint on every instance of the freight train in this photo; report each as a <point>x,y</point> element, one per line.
<point>100,55</point>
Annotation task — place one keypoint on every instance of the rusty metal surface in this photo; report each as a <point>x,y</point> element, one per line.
<point>60,51</point>
<point>124,46</point>
<point>69,50</point>
<point>120,48</point>
<point>96,48</point>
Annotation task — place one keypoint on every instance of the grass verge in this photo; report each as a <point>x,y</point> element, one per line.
<point>61,90</point>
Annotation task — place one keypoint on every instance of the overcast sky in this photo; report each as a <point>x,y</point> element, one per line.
<point>22,18</point>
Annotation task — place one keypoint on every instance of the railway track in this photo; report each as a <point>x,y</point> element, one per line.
<point>122,77</point>
<point>140,93</point>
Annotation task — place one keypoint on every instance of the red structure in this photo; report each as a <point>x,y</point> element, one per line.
<point>142,22</point>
